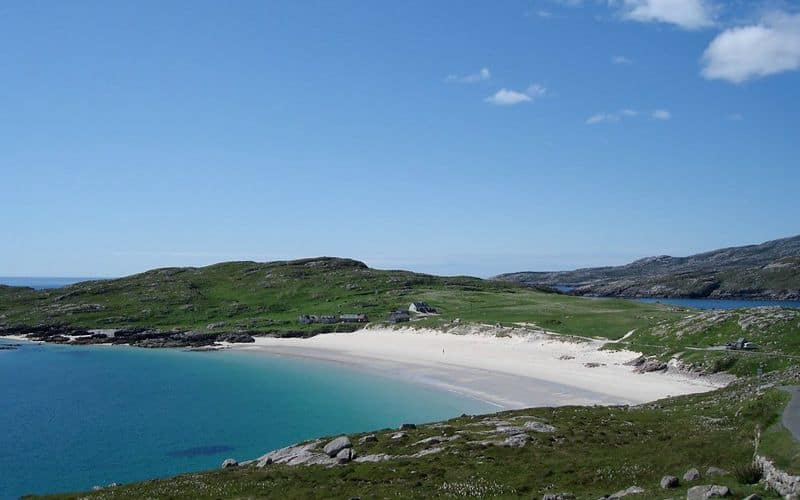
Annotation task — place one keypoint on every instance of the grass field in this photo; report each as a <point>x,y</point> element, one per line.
<point>268,297</point>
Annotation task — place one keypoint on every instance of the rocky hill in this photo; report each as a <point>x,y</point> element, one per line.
<point>770,270</point>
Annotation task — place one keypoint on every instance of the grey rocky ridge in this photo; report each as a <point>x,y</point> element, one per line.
<point>770,270</point>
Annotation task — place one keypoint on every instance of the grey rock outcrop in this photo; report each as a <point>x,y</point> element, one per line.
<point>633,490</point>
<point>229,463</point>
<point>715,471</point>
<point>691,475</point>
<point>668,482</point>
<point>345,455</point>
<point>559,496</point>
<point>369,438</point>
<point>780,481</point>
<point>301,454</point>
<point>707,491</point>
<point>333,447</point>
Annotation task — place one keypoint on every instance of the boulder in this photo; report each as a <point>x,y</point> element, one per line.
<point>715,471</point>
<point>516,441</point>
<point>707,491</point>
<point>345,455</point>
<point>752,497</point>
<point>229,463</point>
<point>668,482</point>
<point>691,475</point>
<point>650,365</point>
<point>398,435</point>
<point>559,496</point>
<point>334,447</point>
<point>407,427</point>
<point>370,438</point>
<point>538,427</point>
<point>633,490</point>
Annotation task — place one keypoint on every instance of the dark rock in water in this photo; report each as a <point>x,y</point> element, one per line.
<point>668,482</point>
<point>334,447</point>
<point>691,475</point>
<point>406,427</point>
<point>229,462</point>
<point>9,347</point>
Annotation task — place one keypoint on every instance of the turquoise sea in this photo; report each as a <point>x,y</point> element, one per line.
<point>73,417</point>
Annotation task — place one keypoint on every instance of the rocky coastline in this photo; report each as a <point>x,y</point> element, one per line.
<point>133,336</point>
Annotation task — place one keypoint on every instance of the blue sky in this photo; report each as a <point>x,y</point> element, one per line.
<point>446,137</point>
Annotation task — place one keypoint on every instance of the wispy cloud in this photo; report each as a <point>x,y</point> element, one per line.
<point>482,75</point>
<point>623,114</point>
<point>602,118</point>
<point>735,117</point>
<point>687,14</point>
<point>621,60</point>
<point>507,97</point>
<point>661,114</point>
<point>743,53</point>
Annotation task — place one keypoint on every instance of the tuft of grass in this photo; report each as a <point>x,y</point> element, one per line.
<point>750,473</point>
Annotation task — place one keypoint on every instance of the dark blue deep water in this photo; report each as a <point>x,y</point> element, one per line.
<point>723,303</point>
<point>73,417</point>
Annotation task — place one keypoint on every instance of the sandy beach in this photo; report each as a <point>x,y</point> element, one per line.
<point>521,370</point>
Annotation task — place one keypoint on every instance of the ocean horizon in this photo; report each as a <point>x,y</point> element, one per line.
<point>43,282</point>
<point>81,416</point>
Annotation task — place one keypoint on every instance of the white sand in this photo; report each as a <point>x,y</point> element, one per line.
<point>510,372</point>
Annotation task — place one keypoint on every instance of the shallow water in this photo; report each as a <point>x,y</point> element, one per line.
<point>74,417</point>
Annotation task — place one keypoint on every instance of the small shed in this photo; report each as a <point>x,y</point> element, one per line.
<point>353,318</point>
<point>399,316</point>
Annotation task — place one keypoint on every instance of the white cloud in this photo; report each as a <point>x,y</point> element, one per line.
<point>544,13</point>
<point>629,112</point>
<point>621,60</point>
<point>482,75</point>
<point>739,54</point>
<point>506,97</point>
<point>661,114</point>
<point>688,14</point>
<point>602,118</point>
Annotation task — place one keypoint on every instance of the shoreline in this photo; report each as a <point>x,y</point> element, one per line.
<point>509,372</point>
<point>504,368</point>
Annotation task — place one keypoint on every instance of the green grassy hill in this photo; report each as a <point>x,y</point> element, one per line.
<point>268,297</point>
<point>699,339</point>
